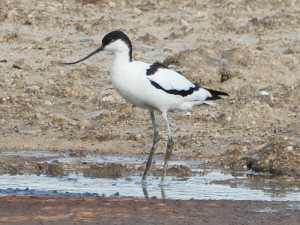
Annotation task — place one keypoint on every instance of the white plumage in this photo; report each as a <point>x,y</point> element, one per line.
<point>169,79</point>
<point>151,86</point>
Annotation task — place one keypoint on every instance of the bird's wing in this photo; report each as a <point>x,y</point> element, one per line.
<point>174,83</point>
<point>167,79</point>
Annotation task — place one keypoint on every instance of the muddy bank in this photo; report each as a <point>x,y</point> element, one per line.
<point>77,210</point>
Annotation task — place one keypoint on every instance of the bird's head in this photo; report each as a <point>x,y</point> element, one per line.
<point>115,41</point>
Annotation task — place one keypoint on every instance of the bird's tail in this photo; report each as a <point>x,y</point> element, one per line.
<point>215,94</point>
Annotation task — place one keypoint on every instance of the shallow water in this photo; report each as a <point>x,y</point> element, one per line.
<point>214,185</point>
<point>202,184</point>
<point>63,156</point>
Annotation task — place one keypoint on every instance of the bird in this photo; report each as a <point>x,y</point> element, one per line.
<point>152,86</point>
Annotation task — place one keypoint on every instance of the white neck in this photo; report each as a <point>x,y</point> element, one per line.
<point>121,58</point>
<point>121,51</point>
<point>120,62</point>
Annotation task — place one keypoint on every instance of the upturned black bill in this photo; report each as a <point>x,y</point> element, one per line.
<point>88,56</point>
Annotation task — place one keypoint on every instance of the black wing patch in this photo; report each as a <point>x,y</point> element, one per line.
<point>154,67</point>
<point>183,93</point>
<point>214,94</point>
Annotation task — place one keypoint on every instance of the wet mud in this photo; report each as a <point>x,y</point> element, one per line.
<point>80,210</point>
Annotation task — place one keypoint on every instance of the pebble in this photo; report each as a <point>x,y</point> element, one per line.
<point>188,114</point>
<point>32,89</point>
<point>48,103</point>
<point>38,116</point>
<point>2,121</point>
<point>84,123</point>
<point>87,40</point>
<point>55,169</point>
<point>138,137</point>
<point>77,154</point>
<point>244,149</point>
<point>112,4</point>
<point>21,64</point>
<point>137,11</point>
<point>264,93</point>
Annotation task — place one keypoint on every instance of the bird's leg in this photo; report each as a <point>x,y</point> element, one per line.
<point>154,146</point>
<point>169,149</point>
<point>162,191</point>
<point>145,191</point>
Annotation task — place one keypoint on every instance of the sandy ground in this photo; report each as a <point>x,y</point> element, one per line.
<point>250,49</point>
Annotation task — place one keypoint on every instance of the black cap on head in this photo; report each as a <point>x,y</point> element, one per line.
<point>117,35</point>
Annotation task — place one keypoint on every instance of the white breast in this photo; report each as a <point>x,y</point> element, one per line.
<point>129,81</point>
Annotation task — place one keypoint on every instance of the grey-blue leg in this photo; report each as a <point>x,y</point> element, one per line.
<point>169,149</point>
<point>154,146</point>
<point>145,191</point>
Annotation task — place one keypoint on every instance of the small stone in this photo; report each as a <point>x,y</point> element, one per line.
<point>87,40</point>
<point>244,149</point>
<point>85,2</point>
<point>264,93</point>
<point>188,114</point>
<point>138,137</point>
<point>137,11</point>
<point>226,74</point>
<point>3,16</point>
<point>48,103</point>
<point>16,66</point>
<point>112,4</point>
<point>148,38</point>
<point>57,120</point>
<point>77,154</point>
<point>27,22</point>
<point>288,51</point>
<point>55,169</point>
<point>21,64</point>
<point>171,60</point>
<point>2,121</point>
<point>38,116</point>
<point>84,123</point>
<point>32,89</point>
<point>51,9</point>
